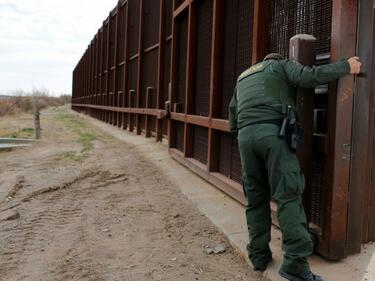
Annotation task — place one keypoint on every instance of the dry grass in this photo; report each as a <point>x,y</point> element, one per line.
<point>17,126</point>
<point>24,104</point>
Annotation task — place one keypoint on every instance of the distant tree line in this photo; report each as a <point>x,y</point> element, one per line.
<point>22,102</point>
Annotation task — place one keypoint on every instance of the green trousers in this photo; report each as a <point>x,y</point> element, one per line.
<point>271,171</point>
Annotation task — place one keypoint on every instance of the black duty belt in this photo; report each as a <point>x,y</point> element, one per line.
<point>277,122</point>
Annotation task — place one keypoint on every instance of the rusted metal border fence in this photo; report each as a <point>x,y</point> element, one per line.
<point>190,52</point>
<point>120,78</point>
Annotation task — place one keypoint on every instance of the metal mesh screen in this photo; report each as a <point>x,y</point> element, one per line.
<point>151,22</point>
<point>120,79</point>
<point>121,35</point>
<point>203,64</point>
<point>110,81</point>
<point>290,17</point>
<point>182,25</point>
<point>200,144</point>
<point>235,172</point>
<point>167,69</point>
<point>132,76</point>
<point>93,69</point>
<point>244,37</point>
<point>112,40</point>
<point>143,122</point>
<point>178,3</point>
<point>103,82</point>
<point>316,185</point>
<point>237,46</point>
<point>229,159</point>
<point>153,124</point>
<point>97,63</point>
<point>165,128</point>
<point>149,75</point>
<point>225,159</point>
<point>100,63</point>
<point>167,58</point>
<point>180,127</point>
<point>134,6</point>
<point>168,17</point>
<point>105,47</point>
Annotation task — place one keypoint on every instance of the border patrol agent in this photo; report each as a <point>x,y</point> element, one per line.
<point>262,114</point>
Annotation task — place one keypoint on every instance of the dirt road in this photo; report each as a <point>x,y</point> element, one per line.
<point>92,209</point>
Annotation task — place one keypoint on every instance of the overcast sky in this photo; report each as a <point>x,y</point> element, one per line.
<point>42,40</point>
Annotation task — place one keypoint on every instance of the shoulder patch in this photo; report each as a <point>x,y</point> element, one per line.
<point>254,69</point>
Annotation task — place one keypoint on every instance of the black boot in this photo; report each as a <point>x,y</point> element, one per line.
<point>262,266</point>
<point>304,276</point>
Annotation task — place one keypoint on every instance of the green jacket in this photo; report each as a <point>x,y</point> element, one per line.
<point>265,89</point>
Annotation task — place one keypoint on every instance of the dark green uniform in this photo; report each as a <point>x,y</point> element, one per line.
<point>269,169</point>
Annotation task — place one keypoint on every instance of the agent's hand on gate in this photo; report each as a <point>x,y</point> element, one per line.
<point>355,65</point>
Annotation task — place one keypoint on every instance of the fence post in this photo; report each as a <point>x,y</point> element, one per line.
<point>36,117</point>
<point>302,49</point>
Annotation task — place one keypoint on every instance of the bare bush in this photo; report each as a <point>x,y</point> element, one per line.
<point>21,102</point>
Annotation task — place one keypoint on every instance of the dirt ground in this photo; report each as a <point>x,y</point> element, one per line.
<point>92,209</point>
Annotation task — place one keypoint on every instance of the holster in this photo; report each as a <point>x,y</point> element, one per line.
<point>290,129</point>
<point>293,135</point>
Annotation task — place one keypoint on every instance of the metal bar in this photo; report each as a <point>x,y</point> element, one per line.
<point>115,116</point>
<point>140,68</point>
<point>6,146</point>
<point>220,124</point>
<point>214,123</point>
<point>181,8</point>
<point>92,74</point>
<point>172,91</point>
<point>97,83</point>
<point>158,113</point>
<point>15,141</point>
<point>359,188</point>
<point>101,50</point>
<point>190,81</point>
<point>95,74</point>
<point>197,120</point>
<point>178,116</point>
<point>340,106</point>
<point>106,103</point>
<point>83,77</point>
<point>126,117</point>
<point>89,76</point>
<point>150,49</point>
<point>302,49</point>
<point>217,51</point>
<point>371,158</point>
<point>260,29</point>
<point>160,80</point>
<point>136,56</point>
